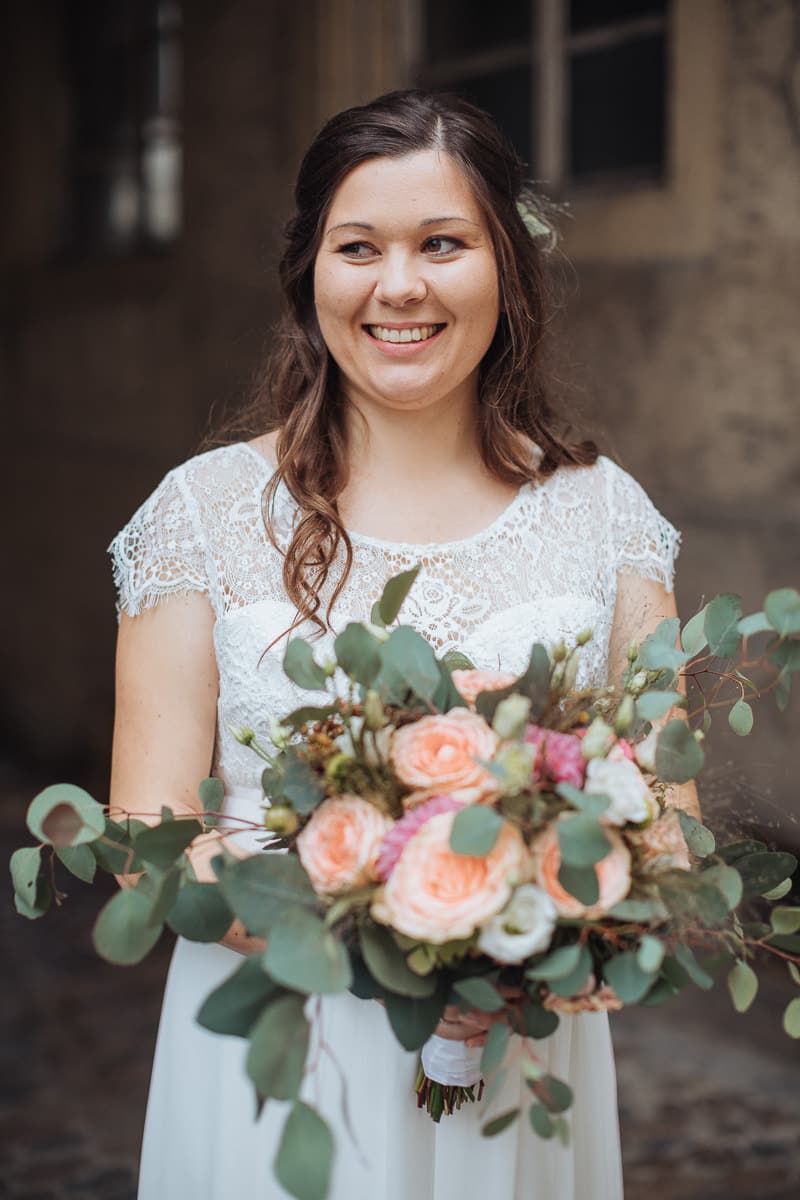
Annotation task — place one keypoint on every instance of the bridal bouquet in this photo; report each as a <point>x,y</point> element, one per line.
<point>457,837</point>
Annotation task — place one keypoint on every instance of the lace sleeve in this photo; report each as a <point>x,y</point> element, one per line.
<point>644,541</point>
<point>159,552</point>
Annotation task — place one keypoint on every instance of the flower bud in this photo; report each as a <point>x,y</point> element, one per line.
<point>374,715</point>
<point>244,735</point>
<point>559,652</point>
<point>583,637</point>
<point>598,740</point>
<point>510,716</point>
<point>571,672</point>
<point>633,652</point>
<point>281,819</point>
<point>638,684</point>
<point>624,716</point>
<point>328,666</point>
<point>336,766</point>
<point>279,734</point>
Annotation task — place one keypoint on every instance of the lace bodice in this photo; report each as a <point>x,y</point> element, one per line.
<point>545,569</point>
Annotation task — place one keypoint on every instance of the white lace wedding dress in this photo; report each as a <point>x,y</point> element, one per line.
<point>545,569</point>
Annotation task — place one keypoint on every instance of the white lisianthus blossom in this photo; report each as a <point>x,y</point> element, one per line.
<point>621,780</point>
<point>645,751</point>
<point>524,927</point>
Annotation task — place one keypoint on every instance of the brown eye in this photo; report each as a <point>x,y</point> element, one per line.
<point>356,250</point>
<point>441,246</point>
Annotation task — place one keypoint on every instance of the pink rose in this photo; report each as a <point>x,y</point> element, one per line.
<point>440,752</point>
<point>403,830</point>
<point>661,846</point>
<point>470,684</point>
<point>613,874</point>
<point>436,895</point>
<point>558,756</point>
<point>339,845</point>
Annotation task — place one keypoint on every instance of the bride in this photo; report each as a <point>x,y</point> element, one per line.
<point>403,419</point>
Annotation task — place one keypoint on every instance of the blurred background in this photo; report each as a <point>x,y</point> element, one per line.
<point>150,150</point>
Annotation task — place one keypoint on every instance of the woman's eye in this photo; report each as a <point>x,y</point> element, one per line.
<point>357,250</point>
<point>443,245</point>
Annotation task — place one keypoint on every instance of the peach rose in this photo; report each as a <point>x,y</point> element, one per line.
<point>339,846</point>
<point>440,752</point>
<point>438,896</point>
<point>470,684</point>
<point>590,998</point>
<point>661,846</point>
<point>613,874</point>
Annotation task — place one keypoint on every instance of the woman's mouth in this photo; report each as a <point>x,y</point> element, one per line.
<point>388,335</point>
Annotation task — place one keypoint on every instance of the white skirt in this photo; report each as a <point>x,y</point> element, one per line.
<point>202,1141</point>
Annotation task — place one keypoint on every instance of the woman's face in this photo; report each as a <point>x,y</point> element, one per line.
<point>406,284</point>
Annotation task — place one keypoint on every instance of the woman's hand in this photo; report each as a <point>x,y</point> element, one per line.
<point>471,1027</point>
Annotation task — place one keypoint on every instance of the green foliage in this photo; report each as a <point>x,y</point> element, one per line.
<point>260,889</point>
<point>764,870</point>
<point>722,624</point>
<point>479,993</point>
<point>79,860</point>
<point>533,684</point>
<point>582,840</point>
<point>693,901</point>
<point>475,830</point>
<point>305,1154</point>
<point>123,932</point>
<point>728,880</point>
<point>693,636</point>
<point>685,956</point>
<point>278,1049</point>
<point>162,844</point>
<point>394,594</point>
<point>408,665</point>
<point>699,839</point>
<point>735,850</point>
<point>31,890</point>
<point>638,910</point>
<point>553,1093</point>
<point>627,977</point>
<point>301,785</point>
<point>659,651</point>
<point>791,1018</point>
<point>387,963</point>
<point>740,718</point>
<point>782,609</point>
<point>303,954</point>
<point>580,882</point>
<point>650,954</point>
<point>358,653</point>
<point>65,815</point>
<point>454,660</point>
<point>498,1124</point>
<point>570,984</point>
<point>117,858</point>
<point>161,888</point>
<point>755,623</point>
<point>593,804</point>
<point>652,705</point>
<point>200,913</point>
<point>211,792</point>
<point>495,1047</point>
<point>414,1018</point>
<point>300,666</point>
<point>742,984</point>
<point>235,1005</point>
<point>558,964</point>
<point>678,755</point>
<point>541,1121</point>
<point>785,919</point>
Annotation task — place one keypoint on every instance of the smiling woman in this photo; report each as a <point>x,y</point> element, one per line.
<point>403,419</point>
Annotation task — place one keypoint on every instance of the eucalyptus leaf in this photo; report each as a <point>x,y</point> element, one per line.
<point>260,889</point>
<point>777,893</point>
<point>785,919</point>
<point>783,690</point>
<point>162,844</point>
<point>301,785</point>
<point>387,963</point>
<point>25,866</point>
<point>782,609</point>
<point>161,888</point>
<point>740,718</point>
<point>533,684</point>
<point>302,954</point>
<point>235,1005</point>
<point>591,803</point>
<point>755,623</point>
<point>494,1050</point>
<point>699,839</point>
<point>114,850</point>
<point>302,669</point>
<point>304,1159</point>
<point>358,653</point>
<point>580,882</point>
<point>79,860</point>
<point>539,1022</point>
<point>558,964</point>
<point>395,592</point>
<point>692,901</point>
<point>211,792</point>
<point>479,993</point>
<point>638,910</point>
<point>735,850</point>
<point>659,651</point>
<point>686,958</point>
<point>722,624</point>
<point>123,933</point>
<point>541,1121</point>
<point>764,870</point>
<point>791,1018</point>
<point>276,1056</point>
<point>455,660</point>
<point>308,714</point>
<point>650,954</point>
<point>742,984</point>
<point>475,830</point>
<point>581,840</point>
<point>652,705</point>
<point>571,984</point>
<point>693,637</point>
<point>627,978</point>
<point>200,913</point>
<point>414,1018</point>
<point>729,882</point>
<point>678,756</point>
<point>553,1093</point>
<point>408,660</point>
<point>65,815</point>
<point>498,1124</point>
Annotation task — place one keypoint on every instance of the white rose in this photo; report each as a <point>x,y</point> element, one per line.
<point>524,927</point>
<point>631,798</point>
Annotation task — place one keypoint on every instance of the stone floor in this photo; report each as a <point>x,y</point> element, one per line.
<point>709,1100</point>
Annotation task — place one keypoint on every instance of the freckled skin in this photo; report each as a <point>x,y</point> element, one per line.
<point>401,272</point>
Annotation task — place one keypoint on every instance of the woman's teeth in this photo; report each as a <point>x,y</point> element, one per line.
<point>420,333</point>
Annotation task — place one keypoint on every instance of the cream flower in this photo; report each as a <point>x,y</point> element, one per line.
<point>613,874</point>
<point>524,927</point>
<point>661,846</point>
<point>438,896</point>
<point>440,752</point>
<point>621,780</point>
<point>340,844</point>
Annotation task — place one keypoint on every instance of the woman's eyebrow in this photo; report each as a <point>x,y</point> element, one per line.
<point>422,224</point>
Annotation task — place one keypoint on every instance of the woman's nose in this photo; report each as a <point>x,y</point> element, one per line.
<point>400,280</point>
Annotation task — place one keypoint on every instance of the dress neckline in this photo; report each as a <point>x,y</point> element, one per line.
<point>497,523</point>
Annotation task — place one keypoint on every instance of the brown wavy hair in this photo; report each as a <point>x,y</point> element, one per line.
<point>297,391</point>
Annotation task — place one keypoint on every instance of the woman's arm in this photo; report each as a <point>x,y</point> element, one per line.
<point>641,605</point>
<point>164,724</point>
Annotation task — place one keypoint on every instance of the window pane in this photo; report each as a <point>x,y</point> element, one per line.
<point>506,96</point>
<point>618,109</point>
<point>589,14</point>
<point>452,29</point>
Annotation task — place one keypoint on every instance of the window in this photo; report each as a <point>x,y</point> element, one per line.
<point>123,69</point>
<point>579,86</point>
